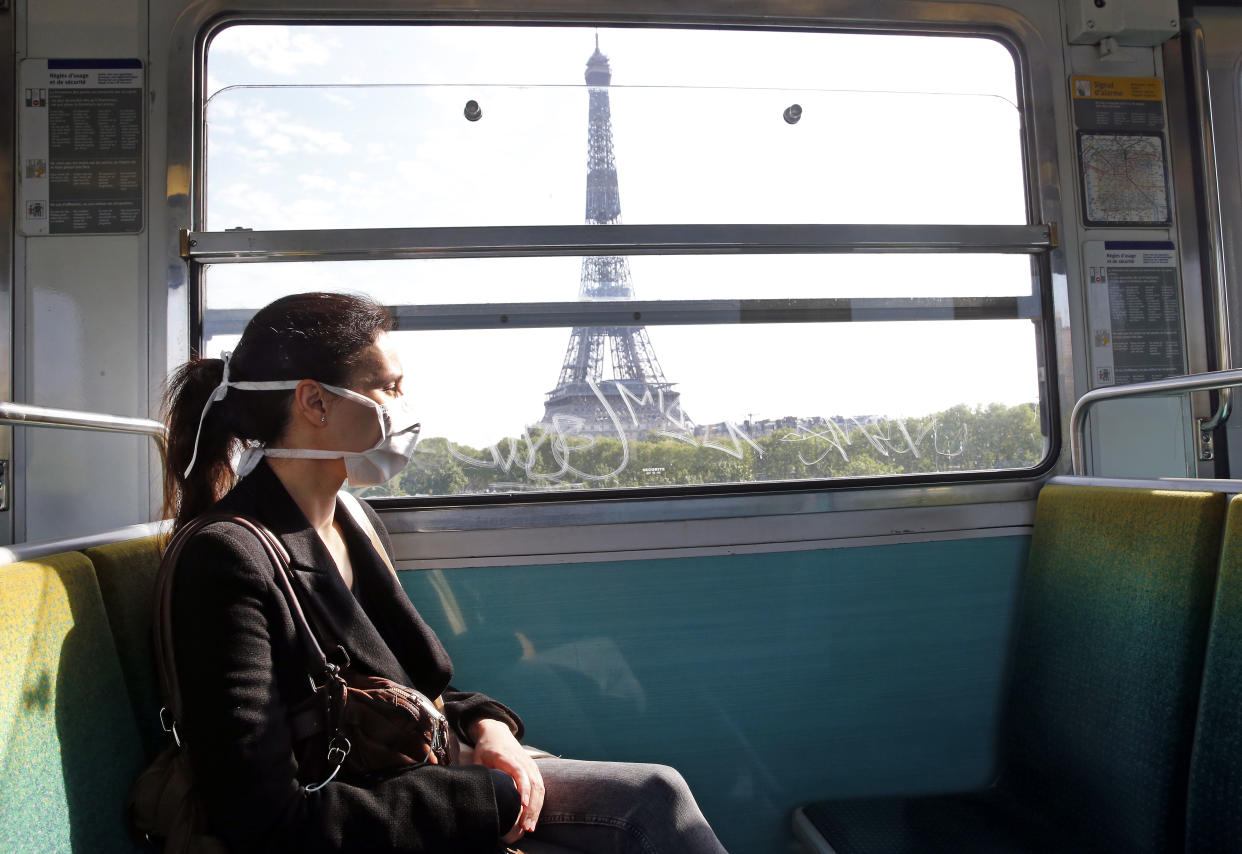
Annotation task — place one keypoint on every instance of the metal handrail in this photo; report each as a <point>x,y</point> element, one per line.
<point>26,415</point>
<point>553,315</point>
<point>352,244</point>
<point>1193,382</point>
<point>1215,266</point>
<point>35,549</point>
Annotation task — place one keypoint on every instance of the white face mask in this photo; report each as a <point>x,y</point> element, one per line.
<point>378,464</point>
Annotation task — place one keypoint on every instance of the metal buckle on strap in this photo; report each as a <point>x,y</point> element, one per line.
<point>329,671</point>
<point>336,751</point>
<point>169,725</point>
<point>336,754</point>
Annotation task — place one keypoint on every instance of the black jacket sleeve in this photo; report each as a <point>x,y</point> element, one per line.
<point>239,672</point>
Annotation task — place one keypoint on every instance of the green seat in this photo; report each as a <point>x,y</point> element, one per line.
<point>69,749</point>
<point>1104,683</point>
<point>126,573</point>
<point>1214,807</point>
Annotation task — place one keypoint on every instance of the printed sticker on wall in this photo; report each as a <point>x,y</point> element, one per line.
<point>1117,103</point>
<point>1134,307</point>
<point>81,139</point>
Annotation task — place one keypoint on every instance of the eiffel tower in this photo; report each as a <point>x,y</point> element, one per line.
<point>636,391</point>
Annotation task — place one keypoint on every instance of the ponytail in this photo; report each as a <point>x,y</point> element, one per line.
<point>186,496</point>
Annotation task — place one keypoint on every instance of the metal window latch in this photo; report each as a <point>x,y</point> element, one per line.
<point>1207,450</point>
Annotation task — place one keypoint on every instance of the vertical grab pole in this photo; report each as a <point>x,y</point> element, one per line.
<point>1217,274</point>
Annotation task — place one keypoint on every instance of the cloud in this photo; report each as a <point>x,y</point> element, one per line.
<point>263,133</point>
<point>306,213</point>
<point>317,182</point>
<point>337,98</point>
<point>315,141</point>
<point>222,110</point>
<point>276,131</point>
<point>241,205</point>
<point>283,51</point>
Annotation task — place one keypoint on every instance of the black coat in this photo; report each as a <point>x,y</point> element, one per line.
<point>240,673</point>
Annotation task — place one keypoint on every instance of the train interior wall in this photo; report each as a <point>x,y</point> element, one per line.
<point>769,680</point>
<point>98,320</point>
<point>771,676</point>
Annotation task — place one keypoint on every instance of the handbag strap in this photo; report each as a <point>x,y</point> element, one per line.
<point>316,663</point>
<point>354,507</point>
<point>351,503</point>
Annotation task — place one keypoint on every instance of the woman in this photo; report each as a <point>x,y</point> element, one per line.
<point>313,395</point>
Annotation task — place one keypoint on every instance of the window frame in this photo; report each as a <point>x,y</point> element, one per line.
<point>1038,237</point>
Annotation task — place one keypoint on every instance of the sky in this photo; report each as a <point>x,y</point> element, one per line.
<point>355,127</point>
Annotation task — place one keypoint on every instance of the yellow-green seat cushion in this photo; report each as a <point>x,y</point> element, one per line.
<point>1214,809</point>
<point>126,573</point>
<point>69,748</point>
<point>1109,658</point>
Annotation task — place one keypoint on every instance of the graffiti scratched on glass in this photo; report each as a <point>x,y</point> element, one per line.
<point>566,440</point>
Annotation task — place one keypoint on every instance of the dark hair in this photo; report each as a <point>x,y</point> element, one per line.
<point>317,336</point>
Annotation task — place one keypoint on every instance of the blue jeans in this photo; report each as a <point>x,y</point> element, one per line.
<point>617,808</point>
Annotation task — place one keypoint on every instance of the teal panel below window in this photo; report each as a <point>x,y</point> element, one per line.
<point>768,680</point>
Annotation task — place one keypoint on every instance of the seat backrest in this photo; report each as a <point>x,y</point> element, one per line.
<point>1111,632</point>
<point>1214,800</point>
<point>69,748</point>
<point>126,572</point>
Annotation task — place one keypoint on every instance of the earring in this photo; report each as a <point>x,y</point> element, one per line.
<point>323,419</point>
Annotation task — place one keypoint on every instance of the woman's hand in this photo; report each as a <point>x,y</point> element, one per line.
<point>495,747</point>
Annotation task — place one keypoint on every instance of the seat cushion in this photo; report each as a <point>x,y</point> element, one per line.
<point>1214,806</point>
<point>126,573</point>
<point>69,749</point>
<point>1105,680</point>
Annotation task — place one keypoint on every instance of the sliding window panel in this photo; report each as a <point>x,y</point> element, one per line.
<point>527,404</point>
<point>319,126</point>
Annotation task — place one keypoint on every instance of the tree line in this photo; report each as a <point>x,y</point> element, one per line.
<point>960,438</point>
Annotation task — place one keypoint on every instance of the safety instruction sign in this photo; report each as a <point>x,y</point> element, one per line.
<point>1135,311</point>
<point>80,166</point>
<point>1117,103</point>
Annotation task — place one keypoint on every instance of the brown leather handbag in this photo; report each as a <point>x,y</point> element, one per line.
<point>360,727</point>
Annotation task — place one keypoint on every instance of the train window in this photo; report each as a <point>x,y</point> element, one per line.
<point>553,366</point>
<point>306,129</point>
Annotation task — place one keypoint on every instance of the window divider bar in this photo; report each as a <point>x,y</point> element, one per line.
<point>600,313</point>
<point>354,244</point>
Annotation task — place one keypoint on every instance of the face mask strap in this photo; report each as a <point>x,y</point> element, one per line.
<point>308,453</point>
<point>255,450</point>
<point>217,393</point>
<point>363,399</point>
<point>394,417</point>
<point>222,389</point>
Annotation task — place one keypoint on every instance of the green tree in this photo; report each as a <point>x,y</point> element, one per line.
<point>433,471</point>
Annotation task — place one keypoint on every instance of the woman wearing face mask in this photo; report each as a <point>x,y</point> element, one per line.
<point>312,395</point>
